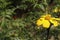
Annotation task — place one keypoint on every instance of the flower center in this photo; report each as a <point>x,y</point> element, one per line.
<point>48,17</point>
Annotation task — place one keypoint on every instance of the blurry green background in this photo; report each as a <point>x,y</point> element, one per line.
<point>18,19</point>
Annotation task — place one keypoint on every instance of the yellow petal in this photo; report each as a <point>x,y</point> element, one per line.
<point>41,19</point>
<point>39,22</point>
<point>55,23</point>
<point>55,18</point>
<point>46,24</point>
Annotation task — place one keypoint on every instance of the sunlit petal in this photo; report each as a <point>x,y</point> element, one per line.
<point>39,22</point>
<point>55,23</point>
<point>46,24</point>
<point>55,18</point>
<point>41,19</point>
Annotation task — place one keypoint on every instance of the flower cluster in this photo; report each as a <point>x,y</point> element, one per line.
<point>47,20</point>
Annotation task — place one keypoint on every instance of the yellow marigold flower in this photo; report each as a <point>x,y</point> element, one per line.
<point>47,20</point>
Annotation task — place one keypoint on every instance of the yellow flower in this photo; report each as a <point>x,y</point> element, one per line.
<point>47,20</point>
